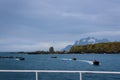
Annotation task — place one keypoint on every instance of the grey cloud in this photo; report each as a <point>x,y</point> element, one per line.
<point>56,20</point>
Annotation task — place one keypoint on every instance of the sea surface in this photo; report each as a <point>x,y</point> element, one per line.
<point>108,62</point>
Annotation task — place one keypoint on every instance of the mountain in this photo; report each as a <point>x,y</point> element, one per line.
<point>67,48</point>
<point>90,40</point>
<point>85,41</point>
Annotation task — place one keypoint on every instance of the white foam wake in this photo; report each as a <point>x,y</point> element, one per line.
<point>65,59</point>
<point>87,61</point>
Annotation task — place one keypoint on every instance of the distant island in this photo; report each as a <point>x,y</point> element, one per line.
<point>98,48</point>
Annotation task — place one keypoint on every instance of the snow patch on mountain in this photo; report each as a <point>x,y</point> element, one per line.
<point>91,41</point>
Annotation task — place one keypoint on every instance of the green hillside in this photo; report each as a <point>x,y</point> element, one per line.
<point>110,47</point>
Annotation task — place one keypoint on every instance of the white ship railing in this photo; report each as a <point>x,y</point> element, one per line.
<point>61,71</point>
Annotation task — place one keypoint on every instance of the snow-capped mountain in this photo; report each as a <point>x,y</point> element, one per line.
<point>90,40</point>
<point>85,41</point>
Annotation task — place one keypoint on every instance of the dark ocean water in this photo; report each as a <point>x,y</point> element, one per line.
<point>108,62</point>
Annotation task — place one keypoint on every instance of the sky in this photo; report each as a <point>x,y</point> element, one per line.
<point>33,25</point>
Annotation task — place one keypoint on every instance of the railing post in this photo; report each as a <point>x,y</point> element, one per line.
<point>36,73</point>
<point>80,75</point>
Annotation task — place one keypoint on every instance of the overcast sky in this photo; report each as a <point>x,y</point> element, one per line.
<point>30,25</point>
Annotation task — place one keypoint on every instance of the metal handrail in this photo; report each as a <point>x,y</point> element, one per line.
<point>61,71</point>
